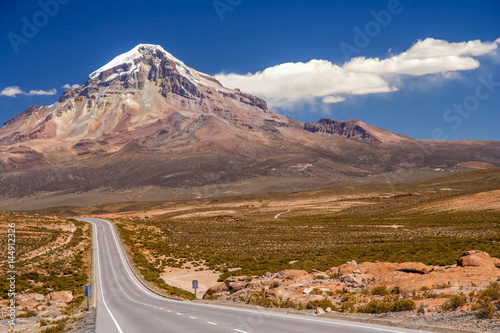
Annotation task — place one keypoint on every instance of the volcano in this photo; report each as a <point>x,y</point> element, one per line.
<point>147,126</point>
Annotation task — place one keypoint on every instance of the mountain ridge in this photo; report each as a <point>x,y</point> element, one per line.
<point>146,119</point>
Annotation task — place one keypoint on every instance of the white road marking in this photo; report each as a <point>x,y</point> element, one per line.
<point>332,322</point>
<point>148,292</point>
<point>212,323</point>
<point>237,330</point>
<point>192,317</point>
<point>127,268</point>
<point>100,285</point>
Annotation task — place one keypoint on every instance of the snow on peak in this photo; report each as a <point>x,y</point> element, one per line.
<point>138,52</point>
<point>129,57</point>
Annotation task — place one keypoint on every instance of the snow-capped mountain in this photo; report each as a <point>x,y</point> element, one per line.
<point>136,89</point>
<point>146,120</point>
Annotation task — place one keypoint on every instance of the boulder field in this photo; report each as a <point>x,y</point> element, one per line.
<point>474,271</point>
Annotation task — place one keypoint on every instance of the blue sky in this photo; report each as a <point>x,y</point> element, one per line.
<point>423,67</point>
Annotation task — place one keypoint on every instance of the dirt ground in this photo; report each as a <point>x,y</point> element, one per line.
<point>183,277</point>
<point>480,201</point>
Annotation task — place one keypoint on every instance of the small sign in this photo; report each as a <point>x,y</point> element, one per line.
<point>195,284</point>
<point>87,290</point>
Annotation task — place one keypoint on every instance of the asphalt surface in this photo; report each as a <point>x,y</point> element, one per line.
<point>124,305</point>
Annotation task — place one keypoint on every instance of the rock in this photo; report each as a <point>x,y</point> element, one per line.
<point>476,258</point>
<point>60,304</point>
<point>235,285</point>
<point>328,310</point>
<point>348,129</point>
<point>61,296</point>
<point>347,269</point>
<point>332,271</point>
<point>296,285</point>
<point>306,291</point>
<point>348,278</point>
<point>355,279</point>
<point>23,298</point>
<point>279,293</point>
<point>352,262</point>
<point>320,276</point>
<point>216,289</point>
<point>319,311</point>
<point>291,274</point>
<point>416,267</point>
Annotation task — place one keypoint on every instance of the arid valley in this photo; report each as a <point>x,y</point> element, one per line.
<point>236,166</point>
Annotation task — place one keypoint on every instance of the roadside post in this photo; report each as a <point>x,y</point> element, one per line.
<point>87,292</point>
<point>195,286</point>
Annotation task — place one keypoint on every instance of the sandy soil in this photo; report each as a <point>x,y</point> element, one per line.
<point>276,207</point>
<point>209,213</point>
<point>183,277</point>
<point>489,200</point>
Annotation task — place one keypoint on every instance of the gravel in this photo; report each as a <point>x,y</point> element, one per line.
<point>86,324</point>
<point>460,321</point>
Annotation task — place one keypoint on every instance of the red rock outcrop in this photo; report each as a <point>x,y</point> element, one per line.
<point>475,268</point>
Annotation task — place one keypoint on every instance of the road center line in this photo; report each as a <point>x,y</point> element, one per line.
<point>268,314</point>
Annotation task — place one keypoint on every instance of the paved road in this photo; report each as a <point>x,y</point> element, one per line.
<point>126,306</point>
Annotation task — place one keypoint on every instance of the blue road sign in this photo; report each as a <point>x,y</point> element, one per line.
<point>195,284</point>
<point>87,290</point>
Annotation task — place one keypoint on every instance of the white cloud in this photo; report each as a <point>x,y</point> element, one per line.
<point>292,83</point>
<point>402,65</point>
<point>333,99</point>
<point>43,92</point>
<point>71,86</point>
<point>13,91</point>
<point>429,56</point>
<point>289,84</point>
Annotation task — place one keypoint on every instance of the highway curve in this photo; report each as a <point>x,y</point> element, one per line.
<point>124,305</point>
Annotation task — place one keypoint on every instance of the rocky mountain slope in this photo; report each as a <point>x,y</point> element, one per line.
<point>354,129</point>
<point>146,120</point>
